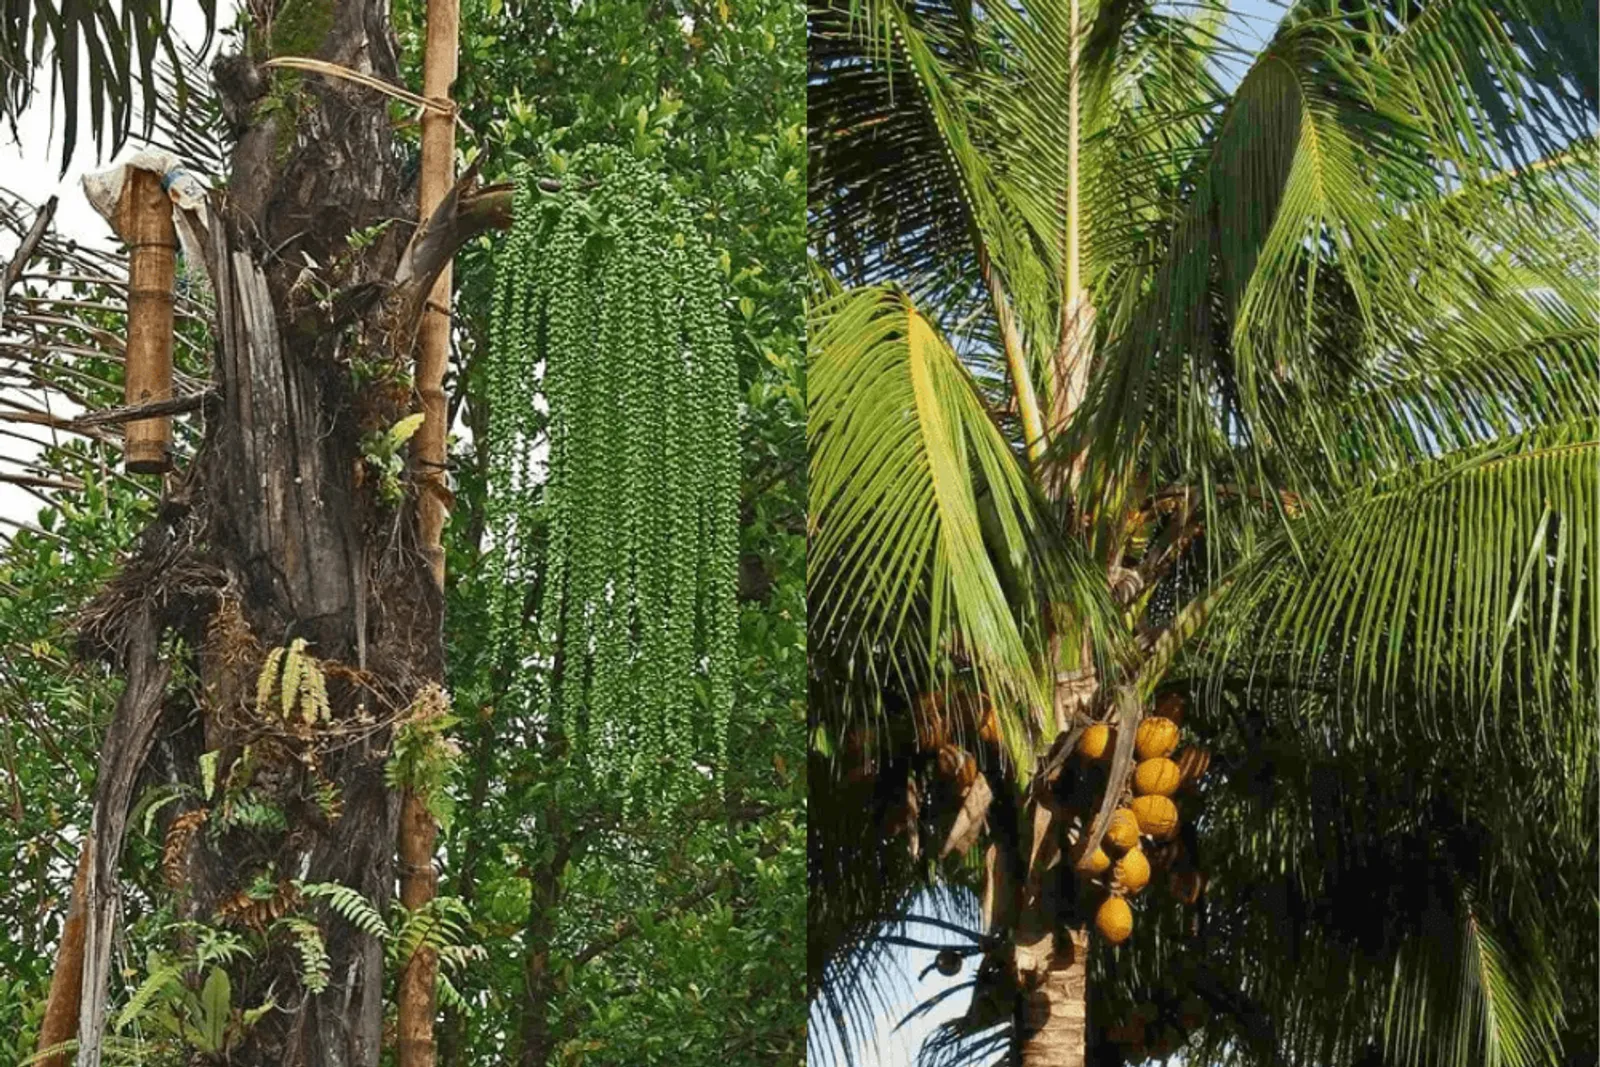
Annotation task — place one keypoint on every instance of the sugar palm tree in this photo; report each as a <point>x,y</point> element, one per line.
<point>1272,403</point>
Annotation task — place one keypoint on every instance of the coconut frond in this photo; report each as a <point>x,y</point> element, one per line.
<point>1298,264</point>
<point>1458,599</point>
<point>881,177</point>
<point>1398,910</point>
<point>1487,373</point>
<point>1501,80</point>
<point>929,547</point>
<point>1401,912</point>
<point>938,149</point>
<point>880,990</point>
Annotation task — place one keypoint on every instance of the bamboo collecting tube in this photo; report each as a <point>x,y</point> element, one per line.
<point>144,222</point>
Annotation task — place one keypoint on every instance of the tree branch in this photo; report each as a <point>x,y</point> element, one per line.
<point>88,424</point>
<point>466,211</point>
<point>41,483</point>
<point>626,928</point>
<point>176,405</point>
<point>30,244</point>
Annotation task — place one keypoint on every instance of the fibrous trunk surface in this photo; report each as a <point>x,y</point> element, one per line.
<point>278,531</point>
<point>1054,1022</point>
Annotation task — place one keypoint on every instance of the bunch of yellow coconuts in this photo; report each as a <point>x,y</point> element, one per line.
<point>1120,861</point>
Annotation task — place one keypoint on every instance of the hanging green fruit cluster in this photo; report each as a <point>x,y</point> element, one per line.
<point>614,475</point>
<point>1121,865</point>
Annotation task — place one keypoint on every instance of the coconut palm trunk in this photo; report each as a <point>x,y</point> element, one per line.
<point>1052,972</point>
<point>1053,1016</point>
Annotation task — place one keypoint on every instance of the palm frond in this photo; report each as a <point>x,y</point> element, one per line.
<point>1302,262</point>
<point>1496,80</point>
<point>927,538</point>
<point>881,978</point>
<point>186,119</point>
<point>886,195</point>
<point>1488,372</point>
<point>112,47</point>
<point>1399,910</point>
<point>1458,599</point>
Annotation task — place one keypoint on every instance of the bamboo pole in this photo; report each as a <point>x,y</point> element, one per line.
<point>418,832</point>
<point>433,335</point>
<point>144,221</point>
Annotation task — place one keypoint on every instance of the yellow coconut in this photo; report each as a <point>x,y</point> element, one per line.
<point>1114,920</point>
<point>1192,764</point>
<point>1122,832</point>
<point>928,721</point>
<point>1095,742</point>
<point>1132,872</point>
<point>1099,862</point>
<point>1156,737</point>
<point>1157,816</point>
<point>1158,776</point>
<point>988,723</point>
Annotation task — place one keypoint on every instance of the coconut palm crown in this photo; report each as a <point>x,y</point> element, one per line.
<point>1266,400</point>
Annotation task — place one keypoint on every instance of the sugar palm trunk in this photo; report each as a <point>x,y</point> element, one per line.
<point>278,531</point>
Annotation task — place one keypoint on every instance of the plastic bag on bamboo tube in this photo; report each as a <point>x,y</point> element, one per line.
<point>188,193</point>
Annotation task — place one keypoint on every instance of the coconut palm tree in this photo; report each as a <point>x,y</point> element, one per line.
<point>1270,404</point>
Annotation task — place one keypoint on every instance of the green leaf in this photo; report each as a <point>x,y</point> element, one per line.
<point>929,535</point>
<point>216,1005</point>
<point>402,431</point>
<point>208,773</point>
